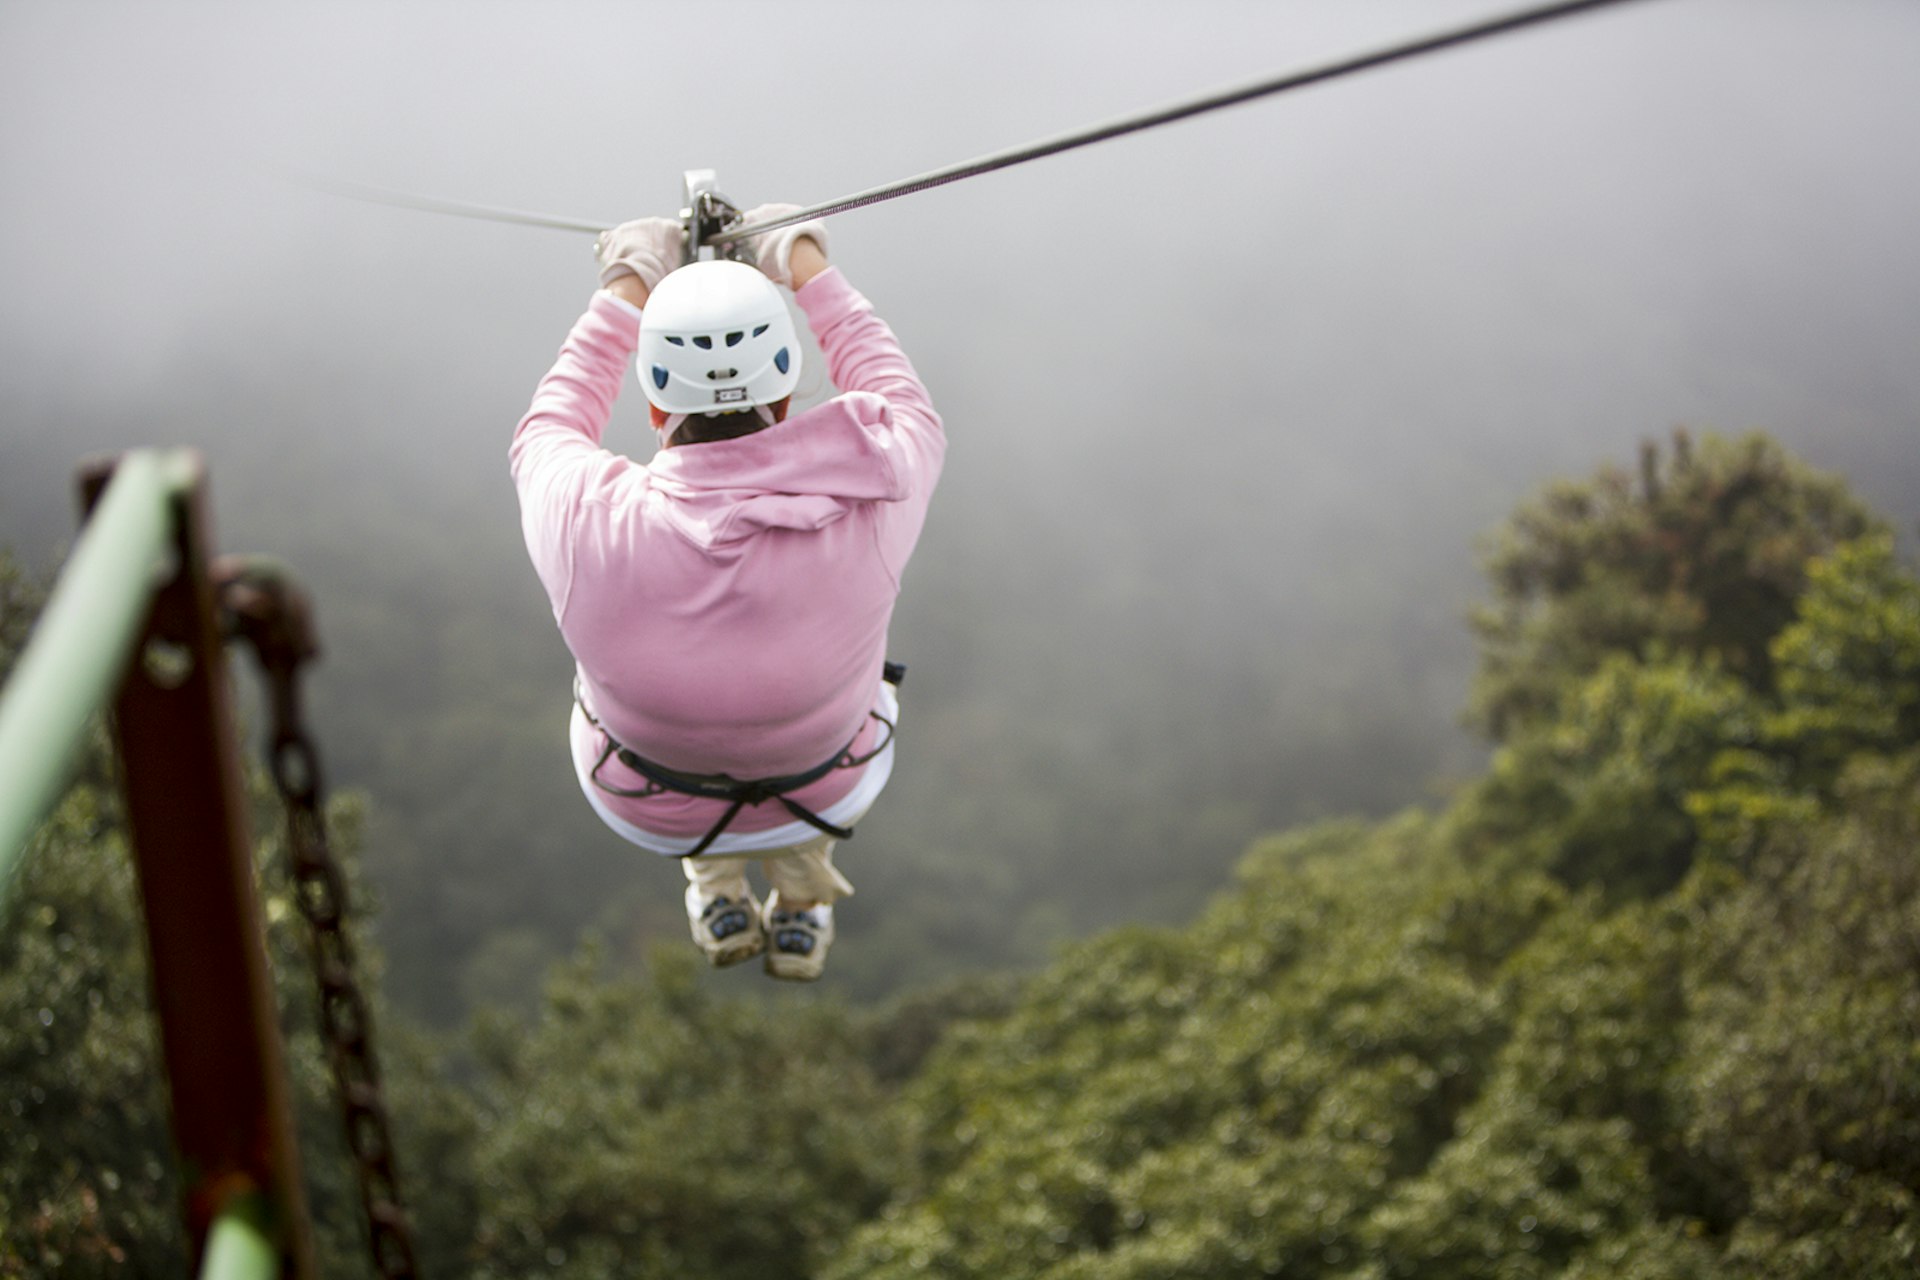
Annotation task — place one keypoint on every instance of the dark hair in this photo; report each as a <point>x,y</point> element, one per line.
<point>704,428</point>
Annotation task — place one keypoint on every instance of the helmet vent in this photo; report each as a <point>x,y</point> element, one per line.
<point>733,339</point>
<point>781,360</point>
<point>757,332</point>
<point>659,378</point>
<point>703,342</point>
<point>678,342</point>
<point>720,375</point>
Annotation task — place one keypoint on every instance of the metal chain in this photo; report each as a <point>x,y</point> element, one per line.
<point>268,612</point>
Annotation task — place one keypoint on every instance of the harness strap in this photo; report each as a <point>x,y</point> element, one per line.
<point>738,792</point>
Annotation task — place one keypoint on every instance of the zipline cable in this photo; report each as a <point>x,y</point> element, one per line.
<point>457,208</point>
<point>1170,114</point>
<point>1184,110</point>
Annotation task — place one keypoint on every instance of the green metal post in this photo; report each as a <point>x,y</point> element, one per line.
<point>238,1246</point>
<point>83,640</point>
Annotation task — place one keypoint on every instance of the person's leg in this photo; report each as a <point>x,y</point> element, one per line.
<point>721,910</point>
<point>804,876</point>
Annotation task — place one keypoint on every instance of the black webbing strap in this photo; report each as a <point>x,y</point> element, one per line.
<point>738,792</point>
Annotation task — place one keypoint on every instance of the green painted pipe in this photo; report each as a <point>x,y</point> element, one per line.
<point>84,639</point>
<point>237,1248</point>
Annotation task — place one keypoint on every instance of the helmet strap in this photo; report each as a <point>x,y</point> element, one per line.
<point>665,424</point>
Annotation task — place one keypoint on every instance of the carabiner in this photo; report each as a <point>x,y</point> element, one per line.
<point>707,213</point>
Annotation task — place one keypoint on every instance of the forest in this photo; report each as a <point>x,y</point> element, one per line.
<point>1149,620</point>
<point>1640,998</point>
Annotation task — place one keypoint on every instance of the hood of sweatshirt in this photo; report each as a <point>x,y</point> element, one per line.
<point>804,473</point>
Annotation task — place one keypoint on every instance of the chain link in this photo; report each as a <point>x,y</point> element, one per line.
<point>273,617</point>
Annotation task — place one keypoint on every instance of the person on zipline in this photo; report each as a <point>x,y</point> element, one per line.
<point>727,602</point>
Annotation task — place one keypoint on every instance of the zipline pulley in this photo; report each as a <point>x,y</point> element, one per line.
<point>705,215</point>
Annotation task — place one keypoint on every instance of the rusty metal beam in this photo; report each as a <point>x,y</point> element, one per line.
<point>187,811</point>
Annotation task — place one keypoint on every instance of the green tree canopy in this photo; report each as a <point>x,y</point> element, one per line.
<point>1641,1002</point>
<point>1704,553</point>
<point>643,1127</point>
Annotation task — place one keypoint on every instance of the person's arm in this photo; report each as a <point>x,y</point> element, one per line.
<point>556,458</point>
<point>806,260</point>
<point>862,353</point>
<point>630,289</point>
<point>573,402</point>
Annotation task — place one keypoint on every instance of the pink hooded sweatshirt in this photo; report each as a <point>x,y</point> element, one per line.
<point>727,603</point>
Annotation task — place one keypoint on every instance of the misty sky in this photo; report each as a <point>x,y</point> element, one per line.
<point>1382,308</point>
<point>1422,289</point>
<point>1694,211</point>
<point>1255,381</point>
<point>1663,213</point>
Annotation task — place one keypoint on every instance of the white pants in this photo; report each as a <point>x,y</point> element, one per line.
<point>588,743</point>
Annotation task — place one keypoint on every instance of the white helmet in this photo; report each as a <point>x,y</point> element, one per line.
<point>716,336</point>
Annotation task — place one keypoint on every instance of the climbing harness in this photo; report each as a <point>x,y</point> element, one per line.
<point>263,607</point>
<point>737,792</point>
<point>715,225</point>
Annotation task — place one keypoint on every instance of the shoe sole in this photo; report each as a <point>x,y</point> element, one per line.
<point>793,968</point>
<point>727,957</point>
<point>737,947</point>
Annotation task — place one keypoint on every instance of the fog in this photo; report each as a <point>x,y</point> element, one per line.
<point>1229,402</point>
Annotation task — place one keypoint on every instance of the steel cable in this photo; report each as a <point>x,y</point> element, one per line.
<point>1169,114</point>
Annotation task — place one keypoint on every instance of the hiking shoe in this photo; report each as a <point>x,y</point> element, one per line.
<point>797,941</point>
<point>726,929</point>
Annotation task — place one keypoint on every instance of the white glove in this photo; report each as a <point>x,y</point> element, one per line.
<point>773,252</point>
<point>646,247</point>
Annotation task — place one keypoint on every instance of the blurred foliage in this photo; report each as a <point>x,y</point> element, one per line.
<point>1643,1001</point>
<point>21,598</point>
<point>1703,553</point>
<point>90,1188</point>
<point>1599,794</point>
<point>1804,1036</point>
<point>1229,1099</point>
<point>643,1127</point>
<point>87,1185</point>
<point>1373,1060</point>
<point>1849,666</point>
